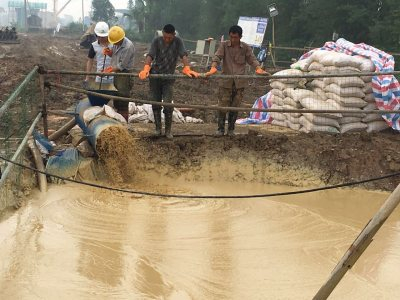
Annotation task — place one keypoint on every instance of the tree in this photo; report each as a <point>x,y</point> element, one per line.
<point>103,10</point>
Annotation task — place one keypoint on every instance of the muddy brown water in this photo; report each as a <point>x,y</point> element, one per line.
<point>79,243</point>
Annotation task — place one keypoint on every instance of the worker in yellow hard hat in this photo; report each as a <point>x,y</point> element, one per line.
<point>122,55</point>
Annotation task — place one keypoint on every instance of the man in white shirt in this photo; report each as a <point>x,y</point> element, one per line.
<point>96,53</point>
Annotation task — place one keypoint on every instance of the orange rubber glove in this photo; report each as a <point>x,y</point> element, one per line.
<point>108,70</point>
<point>260,71</point>
<point>212,71</point>
<point>145,72</point>
<point>186,70</point>
<point>107,51</point>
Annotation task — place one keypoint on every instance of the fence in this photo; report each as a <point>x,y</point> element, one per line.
<point>19,114</point>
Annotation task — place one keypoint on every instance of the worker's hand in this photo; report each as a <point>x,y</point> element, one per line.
<point>108,70</point>
<point>107,51</point>
<point>188,72</point>
<point>260,71</point>
<point>145,72</point>
<point>212,71</point>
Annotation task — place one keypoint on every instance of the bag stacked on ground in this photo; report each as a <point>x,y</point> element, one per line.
<point>281,100</point>
<point>329,93</point>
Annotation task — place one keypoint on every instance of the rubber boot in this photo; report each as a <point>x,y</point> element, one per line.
<point>221,124</point>
<point>232,116</point>
<point>157,121</point>
<point>168,123</point>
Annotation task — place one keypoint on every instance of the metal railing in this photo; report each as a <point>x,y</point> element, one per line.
<point>19,115</point>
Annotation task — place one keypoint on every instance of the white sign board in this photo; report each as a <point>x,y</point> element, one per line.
<point>253,30</point>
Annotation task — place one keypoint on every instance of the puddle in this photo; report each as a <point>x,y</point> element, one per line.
<point>91,244</point>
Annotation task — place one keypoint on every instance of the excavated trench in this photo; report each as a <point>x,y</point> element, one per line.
<point>82,242</point>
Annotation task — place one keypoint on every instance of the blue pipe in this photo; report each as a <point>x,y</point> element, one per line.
<point>96,126</point>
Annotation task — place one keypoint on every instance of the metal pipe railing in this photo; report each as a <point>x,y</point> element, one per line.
<point>18,91</point>
<point>221,76</point>
<point>19,151</point>
<point>218,108</point>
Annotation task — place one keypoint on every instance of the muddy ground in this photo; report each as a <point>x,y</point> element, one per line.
<point>301,159</point>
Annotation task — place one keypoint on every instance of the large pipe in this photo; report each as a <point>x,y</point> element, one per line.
<point>42,180</point>
<point>93,130</point>
<point>63,130</point>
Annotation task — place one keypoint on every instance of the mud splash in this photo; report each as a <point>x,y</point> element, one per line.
<point>88,244</point>
<point>117,152</point>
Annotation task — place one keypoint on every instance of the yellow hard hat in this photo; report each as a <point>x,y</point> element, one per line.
<point>115,34</point>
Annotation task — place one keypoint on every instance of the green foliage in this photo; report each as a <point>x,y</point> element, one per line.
<point>299,23</point>
<point>103,10</point>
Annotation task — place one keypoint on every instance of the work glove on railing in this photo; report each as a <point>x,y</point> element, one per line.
<point>188,72</point>
<point>107,51</point>
<point>260,71</point>
<point>108,70</point>
<point>212,71</point>
<point>145,72</point>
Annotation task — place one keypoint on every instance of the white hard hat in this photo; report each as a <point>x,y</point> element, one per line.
<point>101,29</point>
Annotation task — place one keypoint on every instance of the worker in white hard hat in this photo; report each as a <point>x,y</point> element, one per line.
<point>122,59</point>
<point>97,52</point>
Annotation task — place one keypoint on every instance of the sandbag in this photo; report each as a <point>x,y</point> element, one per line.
<point>370,106</point>
<point>316,104</point>
<point>279,123</point>
<point>278,116</point>
<point>319,120</point>
<point>340,70</point>
<point>315,72</point>
<point>377,126</point>
<point>317,56</point>
<point>340,60</point>
<point>281,85</point>
<point>366,79</point>
<point>337,106</point>
<point>347,101</point>
<point>346,120</point>
<point>315,66</point>
<point>292,119</point>
<point>345,82</point>
<point>316,83</point>
<point>366,65</point>
<point>291,102</point>
<point>320,92</point>
<point>301,65</point>
<point>307,127</point>
<point>293,126</point>
<point>277,100</point>
<point>278,93</point>
<point>352,127</point>
<point>369,98</point>
<point>372,117</point>
<point>345,92</point>
<point>289,72</point>
<point>296,115</point>
<point>297,94</point>
<point>367,89</point>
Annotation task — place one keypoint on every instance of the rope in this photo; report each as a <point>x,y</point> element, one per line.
<point>267,195</point>
<point>219,108</point>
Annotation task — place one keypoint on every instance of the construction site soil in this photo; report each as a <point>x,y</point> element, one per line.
<point>262,154</point>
